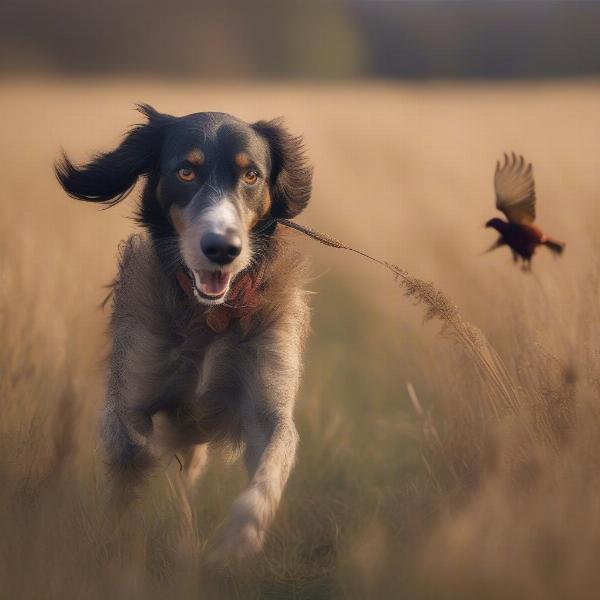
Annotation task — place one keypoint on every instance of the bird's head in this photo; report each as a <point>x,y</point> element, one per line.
<point>497,224</point>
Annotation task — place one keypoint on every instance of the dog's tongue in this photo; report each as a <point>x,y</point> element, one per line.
<point>213,283</point>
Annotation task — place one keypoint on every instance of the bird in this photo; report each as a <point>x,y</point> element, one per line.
<point>515,197</point>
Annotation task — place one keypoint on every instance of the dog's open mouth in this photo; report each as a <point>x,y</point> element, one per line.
<point>211,285</point>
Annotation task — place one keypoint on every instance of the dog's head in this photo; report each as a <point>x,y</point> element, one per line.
<point>212,182</point>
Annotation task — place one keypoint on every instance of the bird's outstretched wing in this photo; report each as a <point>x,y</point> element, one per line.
<point>515,189</point>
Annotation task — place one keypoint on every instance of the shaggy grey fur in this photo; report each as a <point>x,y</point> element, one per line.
<point>175,386</point>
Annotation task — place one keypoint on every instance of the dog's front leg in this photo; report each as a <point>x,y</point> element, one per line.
<point>270,453</point>
<point>141,379</point>
<point>270,436</point>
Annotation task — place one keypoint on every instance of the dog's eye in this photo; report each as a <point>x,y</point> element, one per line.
<point>186,174</point>
<point>250,177</point>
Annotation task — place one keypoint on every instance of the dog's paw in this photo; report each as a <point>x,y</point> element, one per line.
<point>234,547</point>
<point>242,536</point>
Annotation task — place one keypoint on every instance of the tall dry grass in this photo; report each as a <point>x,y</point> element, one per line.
<point>456,465</point>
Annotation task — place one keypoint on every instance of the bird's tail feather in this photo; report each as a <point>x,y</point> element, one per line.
<point>554,245</point>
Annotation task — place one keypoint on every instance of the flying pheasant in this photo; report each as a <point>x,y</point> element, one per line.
<point>515,197</point>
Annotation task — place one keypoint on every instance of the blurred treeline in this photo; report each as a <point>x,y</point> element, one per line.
<point>301,38</point>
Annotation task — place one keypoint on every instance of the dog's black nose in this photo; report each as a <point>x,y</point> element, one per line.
<point>221,249</point>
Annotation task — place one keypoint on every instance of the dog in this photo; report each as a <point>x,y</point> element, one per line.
<point>209,316</point>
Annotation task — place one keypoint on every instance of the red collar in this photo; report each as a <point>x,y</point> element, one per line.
<point>243,300</point>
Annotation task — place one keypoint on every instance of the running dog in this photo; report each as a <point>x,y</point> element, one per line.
<point>209,315</point>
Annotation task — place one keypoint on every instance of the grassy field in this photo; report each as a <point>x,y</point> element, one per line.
<point>453,458</point>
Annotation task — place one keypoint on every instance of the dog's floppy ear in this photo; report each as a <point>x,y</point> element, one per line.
<point>291,175</point>
<point>110,176</point>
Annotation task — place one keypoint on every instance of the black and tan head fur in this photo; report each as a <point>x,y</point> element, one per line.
<point>212,183</point>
